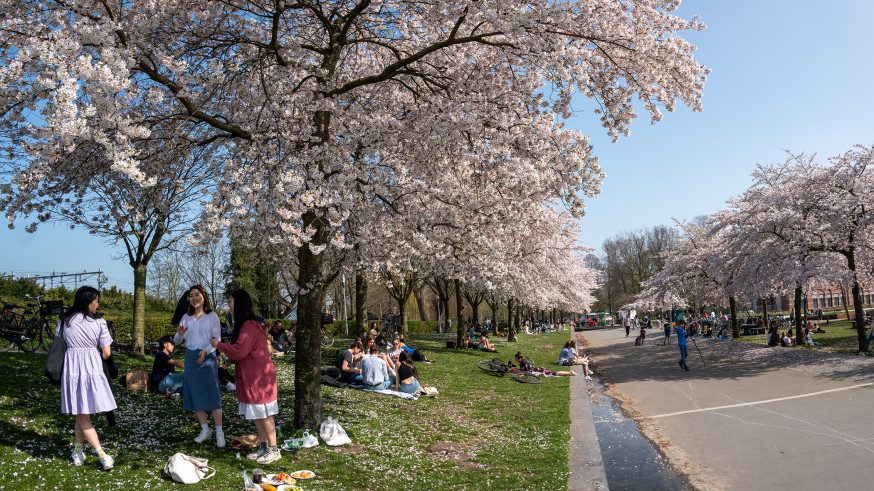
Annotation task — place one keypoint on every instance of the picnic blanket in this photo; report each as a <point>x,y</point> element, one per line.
<point>389,392</point>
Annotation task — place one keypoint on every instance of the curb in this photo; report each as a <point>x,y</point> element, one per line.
<point>585,463</point>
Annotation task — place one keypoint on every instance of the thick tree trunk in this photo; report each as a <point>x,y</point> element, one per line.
<point>732,308</point>
<point>799,326</point>
<point>511,329</point>
<point>138,331</point>
<point>420,304</point>
<point>765,313</point>
<point>857,301</point>
<point>402,318</point>
<point>459,310</point>
<point>308,357</point>
<point>360,305</point>
<point>515,318</point>
<point>494,316</point>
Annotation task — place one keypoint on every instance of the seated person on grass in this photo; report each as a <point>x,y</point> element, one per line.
<point>347,360</point>
<point>394,351</point>
<point>164,377</point>
<point>723,334</point>
<point>485,344</point>
<point>526,366</point>
<point>375,372</point>
<point>569,356</point>
<point>280,338</point>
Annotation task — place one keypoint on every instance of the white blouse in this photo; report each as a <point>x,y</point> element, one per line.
<point>200,331</point>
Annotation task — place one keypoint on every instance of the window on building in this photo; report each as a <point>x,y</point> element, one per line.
<point>815,302</point>
<point>830,300</point>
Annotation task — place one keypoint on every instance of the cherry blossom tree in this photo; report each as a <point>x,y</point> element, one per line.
<point>325,109</point>
<point>80,186</point>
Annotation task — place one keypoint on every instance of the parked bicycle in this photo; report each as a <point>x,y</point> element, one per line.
<point>30,327</point>
<point>499,368</point>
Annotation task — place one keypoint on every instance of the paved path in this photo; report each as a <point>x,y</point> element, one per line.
<point>742,425</point>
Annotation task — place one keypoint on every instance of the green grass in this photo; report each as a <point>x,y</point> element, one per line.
<point>840,337</point>
<point>480,432</point>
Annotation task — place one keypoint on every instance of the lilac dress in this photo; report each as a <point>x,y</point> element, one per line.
<point>84,388</point>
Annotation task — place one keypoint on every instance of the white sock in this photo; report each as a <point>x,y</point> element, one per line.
<point>100,452</point>
<point>80,448</point>
<point>218,429</point>
<point>204,426</point>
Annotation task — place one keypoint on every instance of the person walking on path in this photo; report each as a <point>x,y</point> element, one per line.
<point>627,326</point>
<point>667,327</point>
<point>84,387</point>
<point>681,342</point>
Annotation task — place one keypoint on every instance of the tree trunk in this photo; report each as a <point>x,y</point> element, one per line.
<point>765,314</point>
<point>402,318</point>
<point>138,331</point>
<point>514,318</point>
<point>846,302</point>
<point>799,326</point>
<point>420,303</point>
<point>511,330</point>
<point>857,301</point>
<point>308,357</point>
<point>459,310</point>
<point>494,307</point>
<point>360,305</point>
<point>732,308</point>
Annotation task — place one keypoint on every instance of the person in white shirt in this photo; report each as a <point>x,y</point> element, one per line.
<point>202,392</point>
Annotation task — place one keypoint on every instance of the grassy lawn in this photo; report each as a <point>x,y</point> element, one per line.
<point>480,432</point>
<point>840,337</point>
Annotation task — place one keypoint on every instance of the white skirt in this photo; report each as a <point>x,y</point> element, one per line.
<point>259,411</point>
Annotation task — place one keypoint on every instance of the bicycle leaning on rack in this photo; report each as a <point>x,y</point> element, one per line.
<point>499,368</point>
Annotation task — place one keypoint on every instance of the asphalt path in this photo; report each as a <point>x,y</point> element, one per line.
<point>740,425</point>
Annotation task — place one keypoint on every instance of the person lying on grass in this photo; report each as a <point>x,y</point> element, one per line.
<point>526,366</point>
<point>415,354</point>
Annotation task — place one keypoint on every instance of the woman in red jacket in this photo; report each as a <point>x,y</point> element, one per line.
<point>255,373</point>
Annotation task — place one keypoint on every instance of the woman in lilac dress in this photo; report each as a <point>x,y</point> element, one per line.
<point>84,388</point>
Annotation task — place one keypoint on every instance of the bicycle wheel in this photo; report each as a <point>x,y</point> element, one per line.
<point>526,378</point>
<point>327,339</point>
<point>31,337</point>
<point>492,367</point>
<point>46,336</point>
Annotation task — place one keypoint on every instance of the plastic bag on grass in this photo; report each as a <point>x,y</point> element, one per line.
<point>333,434</point>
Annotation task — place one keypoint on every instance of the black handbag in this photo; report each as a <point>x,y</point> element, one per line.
<point>54,367</point>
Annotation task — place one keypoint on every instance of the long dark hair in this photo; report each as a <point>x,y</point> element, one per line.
<point>408,361</point>
<point>84,296</point>
<point>242,312</point>
<point>207,308</point>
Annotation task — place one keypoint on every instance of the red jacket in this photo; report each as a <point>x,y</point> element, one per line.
<point>255,372</point>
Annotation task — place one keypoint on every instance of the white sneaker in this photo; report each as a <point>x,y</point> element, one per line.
<point>256,454</point>
<point>269,456</point>
<point>591,372</point>
<point>107,462</point>
<point>78,458</point>
<point>203,436</point>
<point>230,387</point>
<point>588,377</point>
<point>220,439</point>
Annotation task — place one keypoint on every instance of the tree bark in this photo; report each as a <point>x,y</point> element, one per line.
<point>765,313</point>
<point>732,307</point>
<point>857,300</point>
<point>420,303</point>
<point>308,357</point>
<point>511,329</point>
<point>459,310</point>
<point>799,326</point>
<point>360,305</point>
<point>138,330</point>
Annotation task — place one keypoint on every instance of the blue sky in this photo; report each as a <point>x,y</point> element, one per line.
<point>787,74</point>
<point>794,75</point>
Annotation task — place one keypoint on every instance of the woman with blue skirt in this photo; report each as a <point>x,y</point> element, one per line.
<point>201,393</point>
